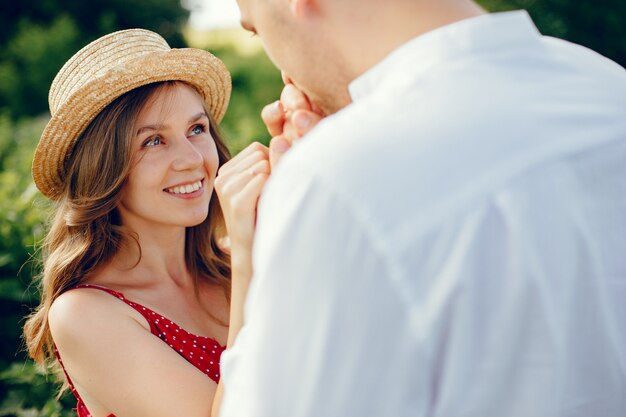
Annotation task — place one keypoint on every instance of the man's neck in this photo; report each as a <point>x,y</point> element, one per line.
<point>377,30</point>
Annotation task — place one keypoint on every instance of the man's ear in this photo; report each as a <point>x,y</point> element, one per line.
<point>303,8</point>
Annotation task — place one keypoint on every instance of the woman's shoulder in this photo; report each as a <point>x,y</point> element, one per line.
<point>80,299</point>
<point>79,312</point>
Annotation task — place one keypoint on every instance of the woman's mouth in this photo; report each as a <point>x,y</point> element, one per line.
<point>186,188</point>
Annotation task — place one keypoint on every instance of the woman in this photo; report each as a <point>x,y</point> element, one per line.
<point>137,299</point>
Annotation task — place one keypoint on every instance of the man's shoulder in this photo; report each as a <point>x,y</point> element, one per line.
<point>409,148</point>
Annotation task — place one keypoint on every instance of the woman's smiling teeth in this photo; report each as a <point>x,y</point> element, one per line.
<point>185,189</point>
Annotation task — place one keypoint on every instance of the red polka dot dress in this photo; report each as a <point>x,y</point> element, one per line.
<point>202,352</point>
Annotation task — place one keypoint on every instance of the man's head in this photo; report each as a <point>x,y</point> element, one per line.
<point>322,45</point>
<point>297,39</point>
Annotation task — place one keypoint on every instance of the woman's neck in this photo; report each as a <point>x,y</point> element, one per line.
<point>150,256</point>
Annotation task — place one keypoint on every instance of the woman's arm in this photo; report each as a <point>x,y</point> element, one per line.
<point>238,186</point>
<point>137,373</point>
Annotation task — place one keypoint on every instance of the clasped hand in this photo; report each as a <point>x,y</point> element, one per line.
<point>240,181</point>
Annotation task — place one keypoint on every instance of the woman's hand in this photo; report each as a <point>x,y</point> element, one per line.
<point>238,186</point>
<point>288,119</point>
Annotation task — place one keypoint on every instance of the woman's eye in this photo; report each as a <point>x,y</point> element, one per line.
<point>197,130</point>
<point>152,142</point>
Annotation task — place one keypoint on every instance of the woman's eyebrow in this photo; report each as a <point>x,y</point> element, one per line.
<point>156,127</point>
<point>198,117</point>
<point>150,128</point>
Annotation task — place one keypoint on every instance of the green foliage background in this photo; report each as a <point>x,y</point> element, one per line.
<point>38,36</point>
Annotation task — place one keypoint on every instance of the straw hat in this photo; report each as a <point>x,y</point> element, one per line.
<point>103,71</point>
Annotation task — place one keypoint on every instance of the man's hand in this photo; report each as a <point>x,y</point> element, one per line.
<point>288,119</point>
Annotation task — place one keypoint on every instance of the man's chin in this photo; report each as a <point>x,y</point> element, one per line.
<point>331,105</point>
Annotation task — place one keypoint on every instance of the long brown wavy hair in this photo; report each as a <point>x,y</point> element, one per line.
<point>86,231</point>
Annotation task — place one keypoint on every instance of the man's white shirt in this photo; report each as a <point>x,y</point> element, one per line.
<point>451,244</point>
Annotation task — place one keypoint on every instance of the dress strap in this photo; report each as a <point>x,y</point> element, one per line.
<point>100,287</point>
<point>144,311</point>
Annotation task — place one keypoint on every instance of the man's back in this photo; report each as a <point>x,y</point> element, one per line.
<point>449,244</point>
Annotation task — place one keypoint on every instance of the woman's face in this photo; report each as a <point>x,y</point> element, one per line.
<point>174,165</point>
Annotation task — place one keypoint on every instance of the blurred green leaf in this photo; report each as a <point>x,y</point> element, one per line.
<point>599,25</point>
<point>31,393</point>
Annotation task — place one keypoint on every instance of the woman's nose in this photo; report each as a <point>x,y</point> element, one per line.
<point>186,155</point>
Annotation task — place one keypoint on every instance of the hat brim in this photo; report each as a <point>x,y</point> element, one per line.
<point>197,67</point>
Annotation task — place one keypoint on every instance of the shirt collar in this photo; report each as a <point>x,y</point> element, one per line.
<point>487,32</point>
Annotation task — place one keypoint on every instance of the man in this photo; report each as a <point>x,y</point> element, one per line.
<point>449,240</point>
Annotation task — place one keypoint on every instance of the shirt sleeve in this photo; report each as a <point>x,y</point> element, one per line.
<point>314,311</point>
